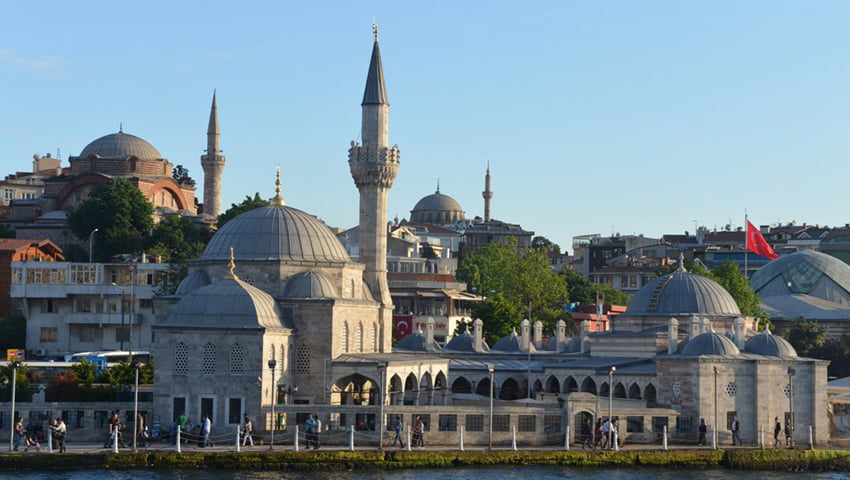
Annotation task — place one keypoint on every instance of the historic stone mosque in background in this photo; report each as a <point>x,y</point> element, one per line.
<point>276,320</point>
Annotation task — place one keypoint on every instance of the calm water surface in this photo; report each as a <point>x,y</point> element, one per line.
<point>489,473</point>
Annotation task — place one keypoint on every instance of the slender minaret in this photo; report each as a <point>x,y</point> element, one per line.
<point>374,166</point>
<point>487,194</point>
<point>213,165</point>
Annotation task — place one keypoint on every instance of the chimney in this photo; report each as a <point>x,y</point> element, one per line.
<point>672,336</point>
<point>738,332</point>
<point>538,334</point>
<point>429,332</point>
<point>477,340</point>
<point>585,339</point>
<point>694,324</point>
<point>560,336</point>
<point>525,328</point>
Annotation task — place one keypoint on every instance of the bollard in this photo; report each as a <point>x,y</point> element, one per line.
<point>811,438</point>
<point>49,440</point>
<point>408,438</point>
<point>237,439</point>
<point>567,439</point>
<point>664,438</point>
<point>460,438</point>
<point>351,438</point>
<point>616,441</point>
<point>115,441</point>
<point>513,437</point>
<point>713,439</point>
<point>295,440</point>
<point>177,448</point>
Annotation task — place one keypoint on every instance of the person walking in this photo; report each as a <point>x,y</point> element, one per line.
<point>247,431</point>
<point>597,433</point>
<point>777,429</point>
<point>606,435</point>
<point>789,430</point>
<point>587,434</point>
<point>20,433</point>
<point>59,429</point>
<point>399,430</point>
<point>703,429</point>
<point>205,430</point>
<point>418,432</point>
<point>736,428</point>
<point>312,430</point>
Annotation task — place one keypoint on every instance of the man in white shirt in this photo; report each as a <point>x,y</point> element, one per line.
<point>206,431</point>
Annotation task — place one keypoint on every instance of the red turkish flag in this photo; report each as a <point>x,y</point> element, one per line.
<point>757,244</point>
<point>403,325</point>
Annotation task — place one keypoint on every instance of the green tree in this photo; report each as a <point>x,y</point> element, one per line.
<point>583,291</point>
<point>544,243</point>
<point>176,239</point>
<point>805,336</point>
<point>13,332</point>
<point>247,204</point>
<point>22,384</point>
<point>121,214</point>
<point>85,372</point>
<point>516,285</point>
<point>735,282</point>
<point>180,174</point>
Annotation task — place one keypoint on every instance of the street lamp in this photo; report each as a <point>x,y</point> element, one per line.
<point>714,433</point>
<point>91,238</point>
<point>382,372</point>
<point>123,295</point>
<point>14,366</point>
<point>272,365</point>
<point>490,371</point>
<point>135,404</point>
<point>611,406</point>
<point>791,373</point>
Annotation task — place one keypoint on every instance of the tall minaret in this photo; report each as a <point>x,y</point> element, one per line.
<point>213,165</point>
<point>374,166</point>
<point>487,194</point>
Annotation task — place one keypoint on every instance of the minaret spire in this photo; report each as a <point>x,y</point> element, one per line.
<point>374,166</point>
<point>213,164</point>
<point>487,194</point>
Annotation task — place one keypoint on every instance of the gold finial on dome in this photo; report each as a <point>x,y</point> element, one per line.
<point>232,266</point>
<point>375,28</point>
<point>278,200</point>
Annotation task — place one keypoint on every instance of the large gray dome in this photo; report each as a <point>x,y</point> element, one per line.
<point>683,293</point>
<point>121,145</point>
<point>436,209</point>
<point>710,344</point>
<point>808,272</point>
<point>277,234</point>
<point>228,304</point>
<point>767,343</point>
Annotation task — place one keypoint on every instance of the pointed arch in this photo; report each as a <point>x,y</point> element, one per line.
<point>373,338</point>
<point>619,390</point>
<point>358,338</point>
<point>510,390</point>
<point>426,389</point>
<point>570,385</point>
<point>649,394</point>
<point>589,386</point>
<point>461,385</point>
<point>634,391</point>
<point>344,337</point>
<point>483,387</point>
<point>411,389</point>
<point>396,390</point>
<point>553,385</point>
<point>441,392</point>
<point>536,387</point>
<point>604,389</point>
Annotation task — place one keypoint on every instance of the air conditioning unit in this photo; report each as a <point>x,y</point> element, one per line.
<point>39,352</point>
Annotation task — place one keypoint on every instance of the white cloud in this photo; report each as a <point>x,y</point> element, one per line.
<point>41,64</point>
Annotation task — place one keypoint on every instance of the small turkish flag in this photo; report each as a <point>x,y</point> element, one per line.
<point>757,244</point>
<point>403,325</point>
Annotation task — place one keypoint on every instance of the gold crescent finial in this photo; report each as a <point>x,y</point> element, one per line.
<point>375,28</point>
<point>278,200</point>
<point>232,265</point>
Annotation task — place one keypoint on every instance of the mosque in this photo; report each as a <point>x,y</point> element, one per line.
<point>276,320</point>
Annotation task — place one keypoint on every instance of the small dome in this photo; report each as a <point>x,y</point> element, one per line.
<point>769,344</point>
<point>416,342</point>
<point>464,343</point>
<point>436,209</point>
<point>710,344</point>
<point>807,272</point>
<point>511,344</point>
<point>683,293</point>
<point>278,234</point>
<point>229,304</point>
<point>193,281</point>
<point>309,284</point>
<point>121,145</point>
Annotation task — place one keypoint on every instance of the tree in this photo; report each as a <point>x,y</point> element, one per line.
<point>120,213</point>
<point>177,239</point>
<point>428,252</point>
<point>516,285</point>
<point>805,336</point>
<point>837,351</point>
<point>6,231</point>
<point>22,384</point>
<point>236,209</point>
<point>583,291</point>
<point>85,372</point>
<point>13,332</point>
<point>181,176</point>
<point>544,243</point>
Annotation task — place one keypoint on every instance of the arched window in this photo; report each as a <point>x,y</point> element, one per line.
<point>181,359</point>
<point>282,360</point>
<point>208,367</point>
<point>237,359</point>
<point>358,338</point>
<point>373,338</point>
<point>344,333</point>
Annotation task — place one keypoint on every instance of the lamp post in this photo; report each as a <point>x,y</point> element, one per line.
<point>15,366</point>
<point>123,298</point>
<point>135,405</point>
<point>791,373</point>
<point>91,239</point>
<point>714,433</point>
<point>382,372</point>
<point>490,371</point>
<point>611,404</point>
<point>272,365</point>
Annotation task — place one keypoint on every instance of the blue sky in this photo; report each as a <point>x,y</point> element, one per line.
<point>595,116</point>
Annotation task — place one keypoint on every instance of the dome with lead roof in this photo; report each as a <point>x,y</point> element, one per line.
<point>436,208</point>
<point>710,343</point>
<point>766,343</point>
<point>683,293</point>
<point>121,145</point>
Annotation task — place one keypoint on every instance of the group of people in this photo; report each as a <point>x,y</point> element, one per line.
<point>29,435</point>
<point>602,435</point>
<point>736,429</point>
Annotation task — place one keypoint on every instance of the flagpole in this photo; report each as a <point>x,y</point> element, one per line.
<point>746,241</point>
